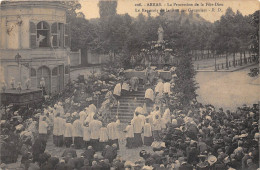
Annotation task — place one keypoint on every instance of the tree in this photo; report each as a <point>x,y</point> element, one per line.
<point>254,21</point>
<point>107,8</point>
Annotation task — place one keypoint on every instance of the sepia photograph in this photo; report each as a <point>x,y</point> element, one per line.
<point>129,85</point>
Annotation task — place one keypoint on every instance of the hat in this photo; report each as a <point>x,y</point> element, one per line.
<point>226,160</point>
<point>243,135</point>
<point>181,159</point>
<point>212,159</point>
<point>203,154</point>
<point>147,168</point>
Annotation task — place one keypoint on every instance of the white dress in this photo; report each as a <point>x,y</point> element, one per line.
<point>129,131</point>
<point>68,130</point>
<point>77,129</point>
<point>95,126</point>
<point>159,88</point>
<point>117,89</point>
<point>103,137</point>
<point>86,133</point>
<point>149,94</point>
<point>167,88</point>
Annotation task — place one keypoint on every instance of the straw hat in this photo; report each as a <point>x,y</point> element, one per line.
<point>212,159</point>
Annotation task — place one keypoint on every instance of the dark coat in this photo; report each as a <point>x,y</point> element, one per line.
<point>109,153</point>
<point>89,154</point>
<point>70,151</point>
<point>96,167</point>
<point>186,166</point>
<point>62,166</point>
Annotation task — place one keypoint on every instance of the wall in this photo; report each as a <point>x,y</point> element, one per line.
<point>75,58</point>
<point>18,34</point>
<point>94,58</point>
<point>15,21</point>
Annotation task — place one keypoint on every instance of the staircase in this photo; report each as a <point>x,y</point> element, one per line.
<point>128,104</point>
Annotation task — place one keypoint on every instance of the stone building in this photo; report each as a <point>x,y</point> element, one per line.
<point>34,43</point>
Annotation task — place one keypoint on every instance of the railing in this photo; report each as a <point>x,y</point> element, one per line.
<point>229,64</point>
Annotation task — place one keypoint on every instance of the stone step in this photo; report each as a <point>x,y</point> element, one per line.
<point>132,97</point>
<point>134,94</point>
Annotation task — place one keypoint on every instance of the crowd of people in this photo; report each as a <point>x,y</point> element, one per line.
<point>195,137</point>
<point>199,137</point>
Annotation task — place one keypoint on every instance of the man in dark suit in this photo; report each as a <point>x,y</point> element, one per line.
<point>89,153</point>
<point>70,151</point>
<point>110,152</point>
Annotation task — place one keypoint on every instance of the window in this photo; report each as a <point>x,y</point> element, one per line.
<point>61,34</point>
<point>43,34</point>
<point>33,72</point>
<point>55,71</point>
<point>32,35</point>
<point>67,69</point>
<point>67,35</point>
<point>54,32</point>
<point>58,35</point>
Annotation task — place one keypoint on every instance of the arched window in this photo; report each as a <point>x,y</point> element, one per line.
<point>43,34</point>
<point>54,71</point>
<point>33,72</point>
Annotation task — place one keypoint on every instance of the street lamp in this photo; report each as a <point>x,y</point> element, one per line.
<point>18,57</point>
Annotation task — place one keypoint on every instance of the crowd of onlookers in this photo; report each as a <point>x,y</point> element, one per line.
<point>196,137</point>
<point>199,137</point>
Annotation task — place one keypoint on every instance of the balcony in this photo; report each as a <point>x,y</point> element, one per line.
<point>34,53</point>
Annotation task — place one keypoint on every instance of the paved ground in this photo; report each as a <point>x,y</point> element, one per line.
<point>228,89</point>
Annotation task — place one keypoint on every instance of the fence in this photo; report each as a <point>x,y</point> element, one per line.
<point>233,63</point>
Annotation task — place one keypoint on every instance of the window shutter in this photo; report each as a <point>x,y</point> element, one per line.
<point>54,33</point>
<point>67,35</point>
<point>32,35</point>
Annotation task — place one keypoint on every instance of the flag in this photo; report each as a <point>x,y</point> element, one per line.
<point>41,37</point>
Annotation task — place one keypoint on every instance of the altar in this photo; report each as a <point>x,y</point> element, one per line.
<point>23,97</point>
<point>165,75</point>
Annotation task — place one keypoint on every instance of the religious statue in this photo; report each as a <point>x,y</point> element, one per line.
<point>19,86</point>
<point>3,86</point>
<point>42,82</point>
<point>160,34</point>
<point>12,83</point>
<point>42,86</point>
<point>28,83</point>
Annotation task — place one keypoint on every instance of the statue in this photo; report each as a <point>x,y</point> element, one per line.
<point>42,86</point>
<point>28,83</point>
<point>160,34</point>
<point>3,86</point>
<point>12,83</point>
<point>42,82</point>
<point>19,87</point>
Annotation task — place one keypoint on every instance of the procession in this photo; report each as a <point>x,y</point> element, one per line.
<point>175,90</point>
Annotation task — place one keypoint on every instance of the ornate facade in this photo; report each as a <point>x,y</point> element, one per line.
<point>35,43</point>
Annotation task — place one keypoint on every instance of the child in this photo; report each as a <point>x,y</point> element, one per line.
<point>68,133</point>
<point>103,137</point>
<point>157,128</point>
<point>129,135</point>
<point>86,135</point>
<point>148,138</point>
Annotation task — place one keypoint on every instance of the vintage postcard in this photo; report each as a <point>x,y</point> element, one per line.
<point>129,84</point>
